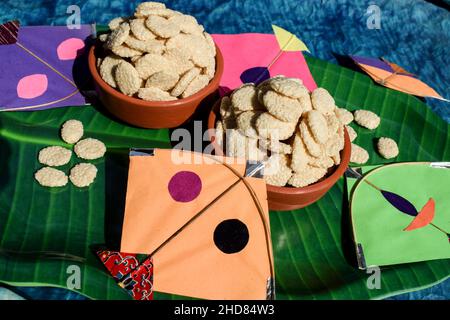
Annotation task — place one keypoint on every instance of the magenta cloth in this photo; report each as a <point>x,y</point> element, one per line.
<point>29,84</point>
<point>249,53</point>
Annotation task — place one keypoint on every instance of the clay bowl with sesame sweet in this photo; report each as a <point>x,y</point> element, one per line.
<point>150,114</point>
<point>291,198</point>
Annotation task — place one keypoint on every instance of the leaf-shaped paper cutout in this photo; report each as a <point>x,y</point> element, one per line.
<point>32,86</point>
<point>288,41</point>
<point>424,217</point>
<point>255,75</point>
<point>70,48</point>
<point>400,203</point>
<point>9,32</point>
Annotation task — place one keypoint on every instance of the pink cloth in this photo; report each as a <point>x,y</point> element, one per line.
<point>242,52</point>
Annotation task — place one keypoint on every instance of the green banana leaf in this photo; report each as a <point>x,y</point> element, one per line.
<point>313,247</point>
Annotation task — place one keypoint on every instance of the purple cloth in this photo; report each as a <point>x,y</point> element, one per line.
<point>29,84</point>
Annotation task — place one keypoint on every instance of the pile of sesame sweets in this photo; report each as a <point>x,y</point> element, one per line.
<point>158,54</point>
<point>298,134</point>
<point>82,174</point>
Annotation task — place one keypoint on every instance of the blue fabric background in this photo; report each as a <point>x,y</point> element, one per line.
<point>414,33</point>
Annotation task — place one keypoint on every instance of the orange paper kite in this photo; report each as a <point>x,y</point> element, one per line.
<point>205,226</point>
<point>395,77</point>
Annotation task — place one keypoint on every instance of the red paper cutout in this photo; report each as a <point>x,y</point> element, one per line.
<point>424,217</point>
<point>133,276</point>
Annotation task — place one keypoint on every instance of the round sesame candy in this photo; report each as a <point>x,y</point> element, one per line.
<point>367,119</point>
<point>300,156</point>
<point>72,131</point>
<point>269,127</point>
<point>318,126</point>
<point>307,176</point>
<point>154,94</point>
<point>83,174</point>
<point>164,13</point>
<point>186,23</point>
<point>116,22</point>
<point>118,35</point>
<point>54,156</point>
<point>244,98</point>
<point>162,27</point>
<point>322,101</point>
<point>179,60</point>
<point>90,149</point>
<point>127,78</point>
<point>125,51</point>
<point>200,82</point>
<point>387,148</point>
<point>140,31</point>
<point>150,5</point>
<point>151,45</point>
<point>289,87</point>
<point>164,80</point>
<point>51,177</point>
<point>344,116</point>
<point>195,45</point>
<point>277,171</point>
<point>314,148</point>
<point>150,64</point>
<point>107,69</point>
<point>282,107</point>
<point>185,80</point>
<point>359,155</point>
<point>246,123</point>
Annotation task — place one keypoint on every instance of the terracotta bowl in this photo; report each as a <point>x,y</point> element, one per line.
<point>290,198</point>
<point>150,114</point>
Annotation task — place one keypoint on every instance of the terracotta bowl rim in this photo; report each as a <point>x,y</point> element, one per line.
<point>152,104</point>
<point>315,187</point>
